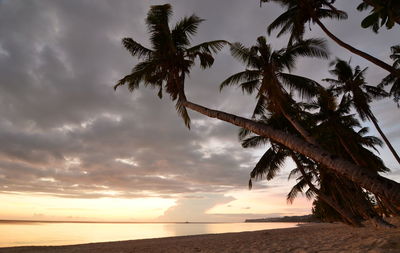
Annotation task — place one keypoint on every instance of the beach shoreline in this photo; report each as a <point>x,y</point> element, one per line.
<point>313,237</point>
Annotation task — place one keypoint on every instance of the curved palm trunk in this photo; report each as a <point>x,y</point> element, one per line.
<point>370,181</point>
<point>385,139</point>
<point>348,216</point>
<point>358,52</point>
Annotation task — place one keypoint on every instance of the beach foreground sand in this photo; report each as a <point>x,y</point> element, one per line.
<point>305,238</point>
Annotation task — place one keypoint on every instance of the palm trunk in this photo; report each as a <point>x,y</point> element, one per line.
<point>349,217</point>
<point>370,181</point>
<point>355,159</point>
<point>389,145</point>
<point>307,136</point>
<point>358,52</point>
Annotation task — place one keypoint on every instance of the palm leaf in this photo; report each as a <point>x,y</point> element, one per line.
<point>304,86</point>
<point>208,47</point>
<point>184,29</point>
<point>135,48</point>
<point>244,76</point>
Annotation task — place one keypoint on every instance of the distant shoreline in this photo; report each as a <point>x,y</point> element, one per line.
<point>302,218</point>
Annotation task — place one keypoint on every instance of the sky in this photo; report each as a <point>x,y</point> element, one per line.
<point>72,148</point>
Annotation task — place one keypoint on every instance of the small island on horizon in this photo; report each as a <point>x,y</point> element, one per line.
<point>301,218</point>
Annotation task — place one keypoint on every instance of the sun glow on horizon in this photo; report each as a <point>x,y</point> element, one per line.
<point>19,206</point>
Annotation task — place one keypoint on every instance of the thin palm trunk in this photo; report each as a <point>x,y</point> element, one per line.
<point>370,181</point>
<point>349,217</point>
<point>358,52</point>
<point>303,132</point>
<point>349,151</point>
<point>385,139</point>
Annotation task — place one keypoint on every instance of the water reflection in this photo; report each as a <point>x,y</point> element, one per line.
<point>37,233</point>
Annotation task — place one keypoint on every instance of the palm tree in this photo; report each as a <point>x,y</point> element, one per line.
<point>392,79</point>
<point>335,132</point>
<point>273,160</point>
<point>348,199</point>
<point>170,58</point>
<point>300,12</point>
<point>384,12</point>
<point>352,82</point>
<point>157,70</point>
<point>265,74</point>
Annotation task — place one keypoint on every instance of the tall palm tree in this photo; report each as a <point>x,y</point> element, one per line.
<point>352,82</point>
<point>171,56</point>
<point>265,75</point>
<point>392,79</point>
<point>370,181</point>
<point>300,12</point>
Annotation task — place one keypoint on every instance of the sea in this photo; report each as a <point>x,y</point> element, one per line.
<point>34,233</point>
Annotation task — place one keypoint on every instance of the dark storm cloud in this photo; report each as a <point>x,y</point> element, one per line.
<point>64,131</point>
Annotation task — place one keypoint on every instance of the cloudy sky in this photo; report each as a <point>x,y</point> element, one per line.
<point>73,149</point>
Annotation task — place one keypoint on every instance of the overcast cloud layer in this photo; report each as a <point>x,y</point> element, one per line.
<point>65,132</point>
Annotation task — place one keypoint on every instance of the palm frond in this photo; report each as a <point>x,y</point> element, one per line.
<point>243,54</point>
<point>244,133</point>
<point>157,25</point>
<point>327,13</point>
<point>213,46</point>
<point>296,189</point>
<point>184,29</point>
<point>293,173</point>
<point>244,76</point>
<point>254,141</point>
<point>142,72</point>
<point>376,92</point>
<point>304,86</point>
<point>269,164</point>
<point>260,108</point>
<point>309,48</point>
<point>181,109</point>
<point>135,48</point>
<point>283,20</point>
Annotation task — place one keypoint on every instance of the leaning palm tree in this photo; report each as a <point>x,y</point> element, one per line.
<point>171,56</point>
<point>348,199</point>
<point>352,82</point>
<point>301,12</point>
<point>335,132</point>
<point>273,160</point>
<point>265,74</point>
<point>167,79</point>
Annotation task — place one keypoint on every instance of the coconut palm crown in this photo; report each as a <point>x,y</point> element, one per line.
<point>299,13</point>
<point>171,56</point>
<point>352,82</point>
<point>392,79</point>
<point>265,71</point>
<point>267,74</point>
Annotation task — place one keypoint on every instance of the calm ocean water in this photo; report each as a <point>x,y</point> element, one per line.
<point>44,233</point>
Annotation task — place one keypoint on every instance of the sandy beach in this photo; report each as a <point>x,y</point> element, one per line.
<point>305,238</point>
